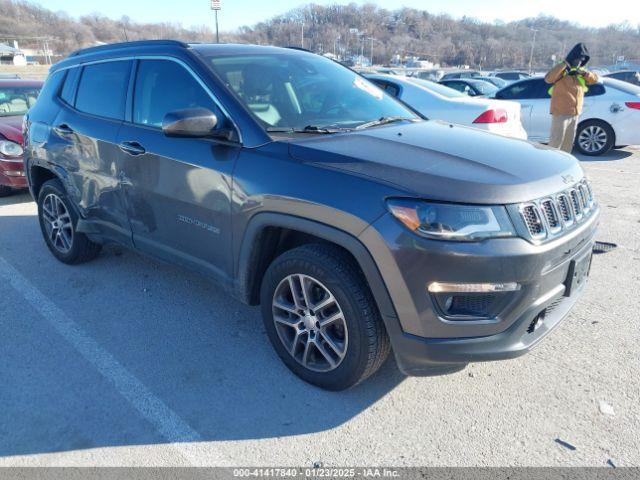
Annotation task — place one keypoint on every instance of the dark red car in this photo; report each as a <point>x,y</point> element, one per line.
<point>16,97</point>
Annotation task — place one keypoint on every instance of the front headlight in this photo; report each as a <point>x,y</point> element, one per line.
<point>10,149</point>
<point>449,221</point>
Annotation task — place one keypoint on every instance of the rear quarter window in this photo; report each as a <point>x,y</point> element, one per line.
<point>67,94</point>
<point>102,90</point>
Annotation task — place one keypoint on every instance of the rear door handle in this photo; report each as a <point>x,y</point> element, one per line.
<point>132,148</point>
<point>63,129</point>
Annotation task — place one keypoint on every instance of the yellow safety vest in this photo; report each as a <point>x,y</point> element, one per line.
<point>581,81</point>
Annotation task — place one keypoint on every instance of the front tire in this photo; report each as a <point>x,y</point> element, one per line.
<point>321,317</point>
<point>594,137</point>
<point>58,221</point>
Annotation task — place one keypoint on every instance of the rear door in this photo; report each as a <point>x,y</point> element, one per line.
<point>540,100</point>
<point>178,190</point>
<point>527,93</point>
<point>85,133</point>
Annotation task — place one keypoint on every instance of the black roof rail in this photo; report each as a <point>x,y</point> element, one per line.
<point>291,47</point>
<point>135,43</point>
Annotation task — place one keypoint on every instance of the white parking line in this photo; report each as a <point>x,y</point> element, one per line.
<point>166,421</point>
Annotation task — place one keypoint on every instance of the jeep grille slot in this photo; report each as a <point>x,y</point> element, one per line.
<point>551,214</point>
<point>565,209</point>
<point>533,219</point>
<point>575,203</point>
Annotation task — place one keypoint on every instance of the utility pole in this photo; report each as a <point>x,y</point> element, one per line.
<point>372,40</point>
<point>215,6</point>
<point>533,45</point>
<point>302,36</point>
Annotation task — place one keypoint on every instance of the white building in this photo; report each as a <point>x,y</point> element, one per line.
<point>11,55</point>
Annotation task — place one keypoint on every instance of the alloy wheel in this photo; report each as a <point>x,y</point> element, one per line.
<point>57,223</point>
<point>310,323</point>
<point>592,139</point>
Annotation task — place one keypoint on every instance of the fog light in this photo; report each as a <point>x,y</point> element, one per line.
<point>14,173</point>
<point>441,287</point>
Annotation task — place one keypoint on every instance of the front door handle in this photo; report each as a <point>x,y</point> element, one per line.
<point>63,129</point>
<point>132,148</point>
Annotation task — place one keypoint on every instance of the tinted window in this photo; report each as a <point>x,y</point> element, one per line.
<point>459,86</point>
<point>163,86</point>
<point>595,90</point>
<point>524,90</point>
<point>390,88</point>
<point>103,89</point>
<point>69,88</point>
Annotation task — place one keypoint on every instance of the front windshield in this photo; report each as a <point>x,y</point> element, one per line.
<point>297,91</point>
<point>17,100</point>
<point>485,88</point>
<point>437,88</point>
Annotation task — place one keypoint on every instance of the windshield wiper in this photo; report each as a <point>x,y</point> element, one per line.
<point>383,121</point>
<point>307,129</point>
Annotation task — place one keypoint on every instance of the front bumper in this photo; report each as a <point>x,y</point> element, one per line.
<point>424,342</point>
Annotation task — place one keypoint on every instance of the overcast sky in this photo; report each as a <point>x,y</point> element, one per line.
<point>236,13</point>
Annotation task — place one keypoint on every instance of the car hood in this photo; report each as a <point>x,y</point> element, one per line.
<point>11,128</point>
<point>440,161</point>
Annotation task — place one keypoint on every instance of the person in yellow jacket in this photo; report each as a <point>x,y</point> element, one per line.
<point>570,81</point>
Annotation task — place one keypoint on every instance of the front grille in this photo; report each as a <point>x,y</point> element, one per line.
<point>551,216</point>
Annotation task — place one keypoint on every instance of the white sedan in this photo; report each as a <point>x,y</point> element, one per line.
<point>610,117</point>
<point>438,102</point>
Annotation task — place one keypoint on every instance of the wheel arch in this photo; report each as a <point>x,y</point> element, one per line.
<point>262,243</point>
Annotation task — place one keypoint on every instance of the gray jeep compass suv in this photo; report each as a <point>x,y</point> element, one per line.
<point>293,182</point>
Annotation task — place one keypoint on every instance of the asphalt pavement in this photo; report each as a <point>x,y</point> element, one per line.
<point>128,361</point>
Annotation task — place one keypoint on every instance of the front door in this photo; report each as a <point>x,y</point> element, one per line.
<point>178,190</point>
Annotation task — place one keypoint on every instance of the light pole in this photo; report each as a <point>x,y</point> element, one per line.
<point>372,40</point>
<point>533,45</point>
<point>302,36</point>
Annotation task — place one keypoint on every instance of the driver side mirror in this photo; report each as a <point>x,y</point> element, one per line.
<point>194,123</point>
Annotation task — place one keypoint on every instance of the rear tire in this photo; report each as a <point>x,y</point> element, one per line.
<point>594,137</point>
<point>58,221</point>
<point>331,354</point>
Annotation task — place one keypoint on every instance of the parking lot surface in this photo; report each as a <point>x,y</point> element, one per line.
<point>127,361</point>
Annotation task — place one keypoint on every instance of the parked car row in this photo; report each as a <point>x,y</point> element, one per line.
<point>360,227</point>
<point>16,97</point>
<point>440,102</point>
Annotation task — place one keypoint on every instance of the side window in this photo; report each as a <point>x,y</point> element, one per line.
<point>388,87</point>
<point>595,90</point>
<point>459,86</point>
<point>519,91</point>
<point>103,89</point>
<point>69,88</point>
<point>163,86</point>
<point>541,89</point>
